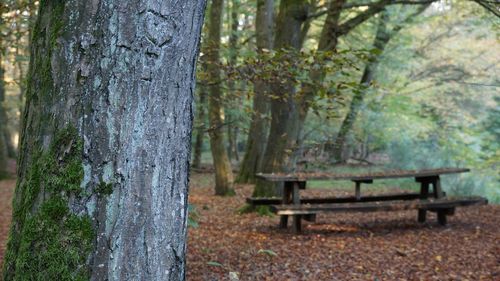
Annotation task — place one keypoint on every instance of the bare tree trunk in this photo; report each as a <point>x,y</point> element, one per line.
<point>380,41</point>
<point>233,98</point>
<point>3,116</point>
<point>257,135</point>
<point>3,126</point>
<point>284,131</point>
<point>200,129</point>
<point>223,171</point>
<point>105,145</point>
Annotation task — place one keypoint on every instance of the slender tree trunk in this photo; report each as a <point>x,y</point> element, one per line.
<point>382,37</point>
<point>233,98</point>
<point>284,131</point>
<point>257,135</point>
<point>3,119</point>
<point>200,129</point>
<point>223,171</point>
<point>3,127</point>
<point>105,145</point>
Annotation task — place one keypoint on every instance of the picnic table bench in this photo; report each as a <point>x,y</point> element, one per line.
<point>292,205</point>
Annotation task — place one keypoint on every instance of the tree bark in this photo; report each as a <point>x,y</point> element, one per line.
<point>257,135</point>
<point>284,131</point>
<point>105,144</point>
<point>223,170</point>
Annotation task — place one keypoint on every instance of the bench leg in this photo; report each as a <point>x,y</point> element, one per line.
<point>284,221</point>
<point>297,226</point>
<point>441,214</point>
<point>422,215</point>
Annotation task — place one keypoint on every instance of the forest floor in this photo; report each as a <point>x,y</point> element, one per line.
<point>373,246</point>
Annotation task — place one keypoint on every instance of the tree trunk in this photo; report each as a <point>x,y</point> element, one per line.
<point>3,116</point>
<point>223,171</point>
<point>3,125</point>
<point>257,135</point>
<point>284,131</point>
<point>380,41</point>
<point>382,38</point>
<point>200,129</point>
<point>233,99</point>
<point>105,145</point>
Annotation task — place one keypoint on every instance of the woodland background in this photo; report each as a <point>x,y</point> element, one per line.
<point>398,84</point>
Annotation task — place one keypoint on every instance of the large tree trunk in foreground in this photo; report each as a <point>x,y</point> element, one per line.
<point>284,131</point>
<point>257,135</point>
<point>223,171</point>
<point>105,146</point>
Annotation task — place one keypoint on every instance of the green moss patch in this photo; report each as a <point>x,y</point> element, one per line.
<point>48,241</point>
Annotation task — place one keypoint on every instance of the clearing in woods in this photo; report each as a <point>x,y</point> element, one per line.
<point>365,246</point>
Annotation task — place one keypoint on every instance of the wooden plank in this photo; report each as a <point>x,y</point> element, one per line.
<point>326,200</point>
<point>360,177</point>
<point>378,206</point>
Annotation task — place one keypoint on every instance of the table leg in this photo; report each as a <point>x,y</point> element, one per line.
<point>424,194</point>
<point>297,219</point>
<point>436,185</point>
<point>358,190</point>
<point>287,193</point>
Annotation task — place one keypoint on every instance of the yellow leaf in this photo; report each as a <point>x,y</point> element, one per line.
<point>439,258</point>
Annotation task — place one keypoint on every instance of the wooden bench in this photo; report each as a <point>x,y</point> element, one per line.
<point>292,205</point>
<point>256,201</point>
<point>443,207</point>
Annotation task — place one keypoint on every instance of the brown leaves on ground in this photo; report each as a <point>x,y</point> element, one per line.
<point>364,246</point>
<point>6,193</point>
<point>373,246</point>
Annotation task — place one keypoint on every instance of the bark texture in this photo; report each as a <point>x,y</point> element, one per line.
<point>105,143</point>
<point>257,135</point>
<point>223,170</point>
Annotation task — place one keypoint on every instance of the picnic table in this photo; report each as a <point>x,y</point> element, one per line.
<point>292,205</point>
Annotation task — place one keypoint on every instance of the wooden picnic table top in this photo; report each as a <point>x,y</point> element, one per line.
<point>390,174</point>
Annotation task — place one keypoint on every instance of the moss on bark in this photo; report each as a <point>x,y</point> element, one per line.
<point>47,240</point>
